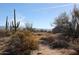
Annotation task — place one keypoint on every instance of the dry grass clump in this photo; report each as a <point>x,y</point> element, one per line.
<point>4,33</point>
<point>61,41</point>
<point>57,41</point>
<point>21,44</point>
<point>33,42</point>
<point>59,44</point>
<point>47,40</point>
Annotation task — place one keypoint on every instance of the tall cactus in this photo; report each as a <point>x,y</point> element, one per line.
<point>7,24</point>
<point>15,24</point>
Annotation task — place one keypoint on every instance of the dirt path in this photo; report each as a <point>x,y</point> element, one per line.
<point>45,50</point>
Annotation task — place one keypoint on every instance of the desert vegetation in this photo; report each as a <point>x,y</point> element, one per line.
<point>17,41</point>
<point>68,32</point>
<point>62,39</point>
<point>65,35</point>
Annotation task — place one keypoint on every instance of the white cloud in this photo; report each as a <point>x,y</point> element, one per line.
<point>54,7</point>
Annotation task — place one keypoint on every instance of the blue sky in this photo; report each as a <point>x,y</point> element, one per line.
<point>40,15</point>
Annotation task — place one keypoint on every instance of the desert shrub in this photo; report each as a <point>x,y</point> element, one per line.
<point>58,29</point>
<point>29,27</point>
<point>3,33</point>
<point>68,26</point>
<point>50,39</point>
<point>21,44</point>
<point>59,44</point>
<point>28,33</point>
<point>44,41</point>
<point>56,41</point>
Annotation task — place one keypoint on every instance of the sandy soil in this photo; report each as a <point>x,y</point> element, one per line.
<point>45,50</point>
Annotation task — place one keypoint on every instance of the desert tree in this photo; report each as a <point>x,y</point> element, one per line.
<point>28,26</point>
<point>62,21</point>
<point>75,21</point>
<point>71,28</point>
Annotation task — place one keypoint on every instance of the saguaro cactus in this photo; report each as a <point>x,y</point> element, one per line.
<point>15,24</point>
<point>7,24</point>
